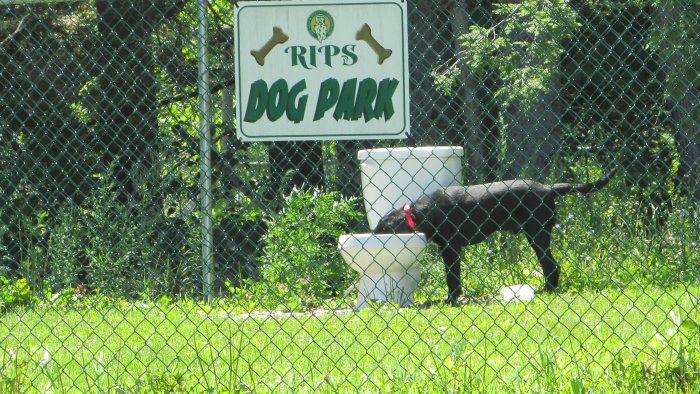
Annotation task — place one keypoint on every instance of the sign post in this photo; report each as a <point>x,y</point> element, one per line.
<point>321,70</point>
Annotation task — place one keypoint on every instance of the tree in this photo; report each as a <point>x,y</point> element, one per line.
<point>430,46</point>
<point>451,101</point>
<point>44,158</point>
<point>675,39</point>
<point>525,46</point>
<point>613,95</point>
<point>127,109</point>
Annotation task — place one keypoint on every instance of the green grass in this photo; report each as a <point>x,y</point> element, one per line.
<point>608,341</point>
<point>625,320</point>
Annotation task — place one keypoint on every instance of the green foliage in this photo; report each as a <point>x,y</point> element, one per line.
<point>444,81</point>
<point>119,252</point>
<point>675,40</point>
<point>301,260</point>
<point>670,361</point>
<point>15,293</point>
<point>524,46</point>
<point>682,341</point>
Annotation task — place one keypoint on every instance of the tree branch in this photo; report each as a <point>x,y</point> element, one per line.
<point>22,24</point>
<point>214,89</point>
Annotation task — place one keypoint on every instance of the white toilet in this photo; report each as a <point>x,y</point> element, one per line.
<point>386,263</point>
<point>392,177</point>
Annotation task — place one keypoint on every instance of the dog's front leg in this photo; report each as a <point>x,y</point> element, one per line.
<point>453,270</point>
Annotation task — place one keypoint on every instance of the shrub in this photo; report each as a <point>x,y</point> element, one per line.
<point>121,250</point>
<point>300,257</point>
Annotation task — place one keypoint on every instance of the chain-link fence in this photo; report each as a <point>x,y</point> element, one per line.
<point>146,249</point>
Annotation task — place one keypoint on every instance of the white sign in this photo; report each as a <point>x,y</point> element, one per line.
<point>315,70</point>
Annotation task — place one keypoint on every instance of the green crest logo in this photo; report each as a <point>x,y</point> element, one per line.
<point>320,25</point>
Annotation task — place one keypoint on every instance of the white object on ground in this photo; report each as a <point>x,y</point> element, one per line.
<point>518,292</point>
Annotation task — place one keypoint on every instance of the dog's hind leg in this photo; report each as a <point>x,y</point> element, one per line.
<point>453,270</point>
<point>540,238</point>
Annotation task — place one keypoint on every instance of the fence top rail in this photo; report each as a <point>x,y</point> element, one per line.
<point>27,2</point>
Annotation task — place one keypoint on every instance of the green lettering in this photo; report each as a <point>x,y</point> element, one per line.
<point>384,105</point>
<point>349,56</point>
<point>346,101</point>
<point>257,99</point>
<point>295,113</point>
<point>365,97</point>
<point>312,55</point>
<point>298,55</point>
<point>277,101</point>
<point>329,51</point>
<point>327,97</point>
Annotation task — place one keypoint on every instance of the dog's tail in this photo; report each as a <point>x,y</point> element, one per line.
<point>561,189</point>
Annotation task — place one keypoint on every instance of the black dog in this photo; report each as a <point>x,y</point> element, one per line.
<point>465,215</point>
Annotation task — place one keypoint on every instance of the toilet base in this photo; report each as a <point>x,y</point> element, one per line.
<point>389,286</point>
<point>387,264</point>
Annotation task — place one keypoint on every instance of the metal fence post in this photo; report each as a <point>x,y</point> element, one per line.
<point>205,147</point>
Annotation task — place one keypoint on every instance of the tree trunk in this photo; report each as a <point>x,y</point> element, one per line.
<point>685,117</point>
<point>477,111</point>
<point>682,98</point>
<point>128,120</point>
<point>533,136</point>
<point>303,158</point>
<point>532,132</point>
<point>430,49</point>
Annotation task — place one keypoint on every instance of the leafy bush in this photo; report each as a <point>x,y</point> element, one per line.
<point>300,258</point>
<point>14,293</point>
<point>121,250</point>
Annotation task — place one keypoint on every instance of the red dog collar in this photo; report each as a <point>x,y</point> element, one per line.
<point>409,216</point>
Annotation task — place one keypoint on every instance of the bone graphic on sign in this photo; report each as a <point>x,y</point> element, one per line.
<point>365,34</point>
<point>278,37</point>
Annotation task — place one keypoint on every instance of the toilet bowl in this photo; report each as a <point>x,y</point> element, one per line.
<point>392,177</point>
<point>386,264</point>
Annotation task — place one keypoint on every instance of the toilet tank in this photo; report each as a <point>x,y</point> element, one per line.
<point>392,177</point>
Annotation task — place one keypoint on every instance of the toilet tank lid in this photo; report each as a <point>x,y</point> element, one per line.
<point>410,152</point>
